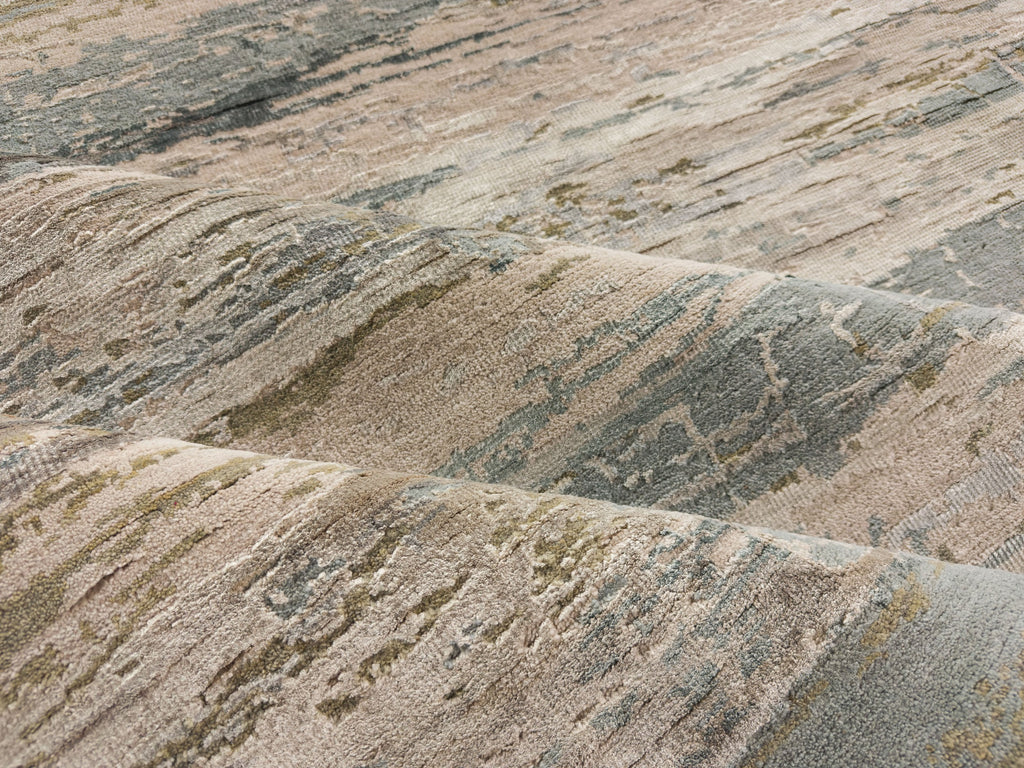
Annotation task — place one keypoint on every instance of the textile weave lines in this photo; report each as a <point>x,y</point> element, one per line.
<point>523,383</point>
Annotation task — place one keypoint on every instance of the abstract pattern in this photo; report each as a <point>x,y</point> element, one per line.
<point>528,384</point>
<point>260,610</point>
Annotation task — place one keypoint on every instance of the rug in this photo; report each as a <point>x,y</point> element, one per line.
<point>530,383</point>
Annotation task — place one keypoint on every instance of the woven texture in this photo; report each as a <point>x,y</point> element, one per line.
<point>511,384</point>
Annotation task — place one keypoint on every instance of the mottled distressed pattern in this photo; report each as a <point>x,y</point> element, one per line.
<point>332,333</point>
<point>737,131</point>
<point>166,603</point>
<point>511,383</point>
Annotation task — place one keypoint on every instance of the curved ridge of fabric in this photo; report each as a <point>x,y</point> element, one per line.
<point>313,453</point>
<point>167,603</point>
<point>325,332</point>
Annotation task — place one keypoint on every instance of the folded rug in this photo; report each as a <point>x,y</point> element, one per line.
<point>494,383</point>
<point>167,603</point>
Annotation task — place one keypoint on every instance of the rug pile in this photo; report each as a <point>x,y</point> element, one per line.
<point>485,383</point>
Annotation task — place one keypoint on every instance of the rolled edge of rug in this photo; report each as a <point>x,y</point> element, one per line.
<point>245,320</point>
<point>165,603</point>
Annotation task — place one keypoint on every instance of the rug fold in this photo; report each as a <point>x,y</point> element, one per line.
<point>533,384</point>
<point>276,610</point>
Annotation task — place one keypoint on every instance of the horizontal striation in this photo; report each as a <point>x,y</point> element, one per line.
<point>327,332</point>
<point>831,142</point>
<point>268,611</point>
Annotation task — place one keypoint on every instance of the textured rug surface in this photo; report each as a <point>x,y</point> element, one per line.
<point>511,384</point>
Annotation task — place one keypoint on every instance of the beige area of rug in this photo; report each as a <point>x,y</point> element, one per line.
<point>511,384</point>
<point>168,604</point>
